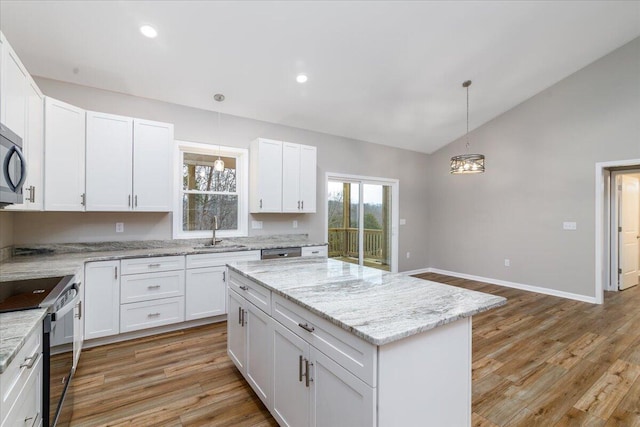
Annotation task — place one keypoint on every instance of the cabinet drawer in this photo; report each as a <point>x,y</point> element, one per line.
<point>257,294</point>
<point>150,265</point>
<point>149,314</point>
<point>16,374</point>
<point>314,251</point>
<point>220,258</point>
<point>27,409</point>
<point>150,286</point>
<point>356,355</point>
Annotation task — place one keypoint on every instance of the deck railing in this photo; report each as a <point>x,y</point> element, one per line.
<point>344,242</point>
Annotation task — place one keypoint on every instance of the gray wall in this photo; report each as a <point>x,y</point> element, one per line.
<point>540,159</point>
<point>335,154</point>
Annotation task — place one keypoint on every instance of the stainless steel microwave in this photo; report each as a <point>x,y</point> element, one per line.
<point>14,167</point>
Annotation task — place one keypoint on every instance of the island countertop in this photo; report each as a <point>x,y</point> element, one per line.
<point>375,305</point>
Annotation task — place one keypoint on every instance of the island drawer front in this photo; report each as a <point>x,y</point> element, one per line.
<point>151,286</point>
<point>253,292</point>
<point>149,314</point>
<point>352,353</point>
<point>15,376</point>
<point>152,265</point>
<point>220,258</point>
<point>315,251</point>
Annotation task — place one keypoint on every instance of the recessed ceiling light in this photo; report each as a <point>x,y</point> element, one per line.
<point>302,78</point>
<point>148,31</point>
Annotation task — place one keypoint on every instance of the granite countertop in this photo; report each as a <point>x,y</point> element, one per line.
<point>68,259</point>
<point>376,306</point>
<point>15,327</point>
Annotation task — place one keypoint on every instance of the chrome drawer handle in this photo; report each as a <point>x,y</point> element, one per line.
<point>153,314</point>
<point>153,287</point>
<point>34,418</point>
<point>300,374</point>
<point>154,265</point>
<point>244,288</point>
<point>306,327</point>
<point>29,361</point>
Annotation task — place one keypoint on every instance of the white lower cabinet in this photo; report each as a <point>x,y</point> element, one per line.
<point>307,387</point>
<point>249,344</point>
<point>102,299</point>
<point>206,292</point>
<point>21,385</point>
<point>149,314</point>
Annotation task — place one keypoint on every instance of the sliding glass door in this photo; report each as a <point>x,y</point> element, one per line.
<point>360,221</point>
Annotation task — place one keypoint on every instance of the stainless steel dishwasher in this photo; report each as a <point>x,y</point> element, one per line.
<point>281,253</point>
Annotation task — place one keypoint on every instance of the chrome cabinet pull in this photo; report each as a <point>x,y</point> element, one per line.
<point>306,373</point>
<point>34,418</point>
<point>315,252</point>
<point>239,315</point>
<point>83,197</point>
<point>303,204</point>
<point>78,315</point>
<point>153,314</point>
<point>300,375</point>
<point>260,203</point>
<point>306,327</point>
<point>29,361</point>
<point>298,204</point>
<point>154,265</point>
<point>32,194</point>
<point>129,201</point>
<point>153,287</point>
<point>115,275</point>
<point>224,276</point>
<point>136,200</point>
<point>244,288</point>
<point>243,319</point>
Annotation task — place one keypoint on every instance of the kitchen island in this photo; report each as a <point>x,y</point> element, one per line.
<point>327,343</point>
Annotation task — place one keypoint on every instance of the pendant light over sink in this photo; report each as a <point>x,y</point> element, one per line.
<point>467,163</point>
<point>218,165</point>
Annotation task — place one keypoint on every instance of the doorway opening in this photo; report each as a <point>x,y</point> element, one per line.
<point>625,229</point>
<point>609,259</point>
<point>362,220</point>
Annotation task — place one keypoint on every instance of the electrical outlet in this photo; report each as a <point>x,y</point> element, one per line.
<point>119,227</point>
<point>295,223</point>
<point>507,262</point>
<point>408,254</point>
<point>568,225</point>
<point>256,225</point>
<point>403,221</point>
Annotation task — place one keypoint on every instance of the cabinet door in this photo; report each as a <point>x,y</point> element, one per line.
<point>339,398</point>
<point>64,138</point>
<point>152,166</point>
<point>308,178</point>
<point>290,393</point>
<point>109,162</point>
<point>258,359</point>
<point>236,335</point>
<point>102,299</point>
<point>206,292</point>
<point>265,176</point>
<point>33,150</point>
<point>290,177</point>
<point>14,91</point>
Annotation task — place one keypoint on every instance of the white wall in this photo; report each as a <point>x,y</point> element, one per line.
<point>540,159</point>
<point>335,154</point>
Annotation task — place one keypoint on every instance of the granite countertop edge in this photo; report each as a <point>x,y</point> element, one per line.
<point>11,346</point>
<point>378,341</point>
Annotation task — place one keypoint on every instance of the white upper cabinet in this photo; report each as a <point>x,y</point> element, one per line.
<point>152,166</point>
<point>265,176</point>
<point>13,91</point>
<point>298,178</point>
<point>129,164</point>
<point>109,162</point>
<point>64,156</point>
<point>283,177</point>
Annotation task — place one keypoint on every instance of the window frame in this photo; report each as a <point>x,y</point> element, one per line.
<point>242,188</point>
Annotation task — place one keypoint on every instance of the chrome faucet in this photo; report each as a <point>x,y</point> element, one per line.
<point>215,227</point>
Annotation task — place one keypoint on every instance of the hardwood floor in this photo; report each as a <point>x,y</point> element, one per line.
<point>547,361</point>
<point>538,361</point>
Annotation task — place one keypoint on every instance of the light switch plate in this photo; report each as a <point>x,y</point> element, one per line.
<point>568,225</point>
<point>119,227</point>
<point>403,221</point>
<point>256,225</point>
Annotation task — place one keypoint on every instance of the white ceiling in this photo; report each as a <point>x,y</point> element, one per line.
<point>384,72</point>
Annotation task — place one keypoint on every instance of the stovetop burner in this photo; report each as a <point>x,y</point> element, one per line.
<point>25,294</point>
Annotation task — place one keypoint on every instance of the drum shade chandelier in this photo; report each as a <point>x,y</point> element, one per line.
<point>467,163</point>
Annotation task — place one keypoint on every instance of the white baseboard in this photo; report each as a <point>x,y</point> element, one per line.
<point>521,286</point>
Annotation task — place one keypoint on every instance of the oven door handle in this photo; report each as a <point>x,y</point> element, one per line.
<point>62,311</point>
